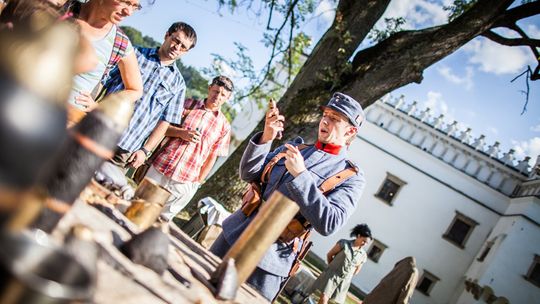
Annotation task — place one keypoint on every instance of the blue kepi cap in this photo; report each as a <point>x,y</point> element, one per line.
<point>347,106</point>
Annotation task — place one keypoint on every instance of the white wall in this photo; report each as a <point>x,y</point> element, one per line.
<point>442,176</point>
<point>421,213</point>
<point>525,205</point>
<point>428,163</point>
<point>507,263</point>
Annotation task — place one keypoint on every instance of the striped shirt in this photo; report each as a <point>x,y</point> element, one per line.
<point>181,160</point>
<point>164,90</point>
<point>86,82</point>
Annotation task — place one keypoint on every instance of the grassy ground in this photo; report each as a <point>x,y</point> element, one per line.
<point>316,265</point>
<point>312,262</point>
<point>283,299</point>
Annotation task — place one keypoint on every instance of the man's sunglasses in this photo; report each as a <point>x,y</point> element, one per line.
<point>222,84</point>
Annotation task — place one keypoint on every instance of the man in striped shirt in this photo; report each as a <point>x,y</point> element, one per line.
<point>192,148</point>
<point>163,99</point>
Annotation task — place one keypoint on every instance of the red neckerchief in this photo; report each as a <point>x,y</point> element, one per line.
<point>328,148</point>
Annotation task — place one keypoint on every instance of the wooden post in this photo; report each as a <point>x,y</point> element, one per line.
<point>268,224</point>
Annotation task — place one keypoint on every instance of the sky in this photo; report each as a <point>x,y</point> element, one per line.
<point>471,86</point>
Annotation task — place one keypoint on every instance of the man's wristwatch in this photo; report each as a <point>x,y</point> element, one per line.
<point>148,153</point>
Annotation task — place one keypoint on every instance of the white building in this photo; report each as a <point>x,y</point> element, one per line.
<point>469,215</point>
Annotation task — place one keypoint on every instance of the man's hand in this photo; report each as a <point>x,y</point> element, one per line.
<point>294,161</point>
<point>136,159</point>
<point>193,136</point>
<point>272,125</point>
<point>85,100</point>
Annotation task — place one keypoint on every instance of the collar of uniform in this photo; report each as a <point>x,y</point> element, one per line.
<point>328,148</point>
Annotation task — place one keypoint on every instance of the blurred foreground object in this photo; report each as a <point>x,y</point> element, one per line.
<point>79,242</point>
<point>2,5</point>
<point>273,217</point>
<point>31,15</point>
<point>90,143</point>
<point>150,248</point>
<point>114,179</point>
<point>34,272</point>
<point>40,56</point>
<point>35,77</point>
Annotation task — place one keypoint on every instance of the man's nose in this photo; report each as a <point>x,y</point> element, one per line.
<point>127,11</point>
<point>130,9</point>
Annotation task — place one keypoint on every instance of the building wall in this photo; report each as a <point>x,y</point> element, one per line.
<point>517,240</point>
<point>443,176</point>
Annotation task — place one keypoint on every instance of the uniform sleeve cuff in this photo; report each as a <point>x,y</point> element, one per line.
<point>255,140</point>
<point>298,184</point>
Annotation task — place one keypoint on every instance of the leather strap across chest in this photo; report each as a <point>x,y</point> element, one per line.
<point>328,184</point>
<point>268,168</point>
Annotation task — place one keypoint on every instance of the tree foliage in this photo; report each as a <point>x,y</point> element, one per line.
<point>196,83</point>
<point>286,44</point>
<point>458,7</point>
<point>393,25</point>
<point>336,64</point>
<point>137,38</point>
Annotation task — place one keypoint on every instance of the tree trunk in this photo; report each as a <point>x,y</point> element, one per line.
<point>402,58</point>
<point>392,63</point>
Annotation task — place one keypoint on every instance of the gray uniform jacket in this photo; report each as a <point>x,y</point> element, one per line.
<point>326,213</point>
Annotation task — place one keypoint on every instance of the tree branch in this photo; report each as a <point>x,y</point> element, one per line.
<point>535,75</point>
<point>273,55</point>
<point>491,35</point>
<point>353,18</point>
<point>517,13</point>
<point>402,58</point>
<point>390,64</point>
<point>522,33</point>
<point>290,48</point>
<point>270,15</point>
<point>528,74</point>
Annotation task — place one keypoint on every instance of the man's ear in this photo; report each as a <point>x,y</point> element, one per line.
<point>352,130</point>
<point>351,133</point>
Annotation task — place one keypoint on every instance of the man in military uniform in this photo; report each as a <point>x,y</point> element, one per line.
<point>298,176</point>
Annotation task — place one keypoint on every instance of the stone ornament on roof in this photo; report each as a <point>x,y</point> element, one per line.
<point>479,143</point>
<point>438,122</point>
<point>453,130</point>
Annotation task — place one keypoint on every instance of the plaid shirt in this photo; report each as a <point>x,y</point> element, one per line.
<point>164,90</point>
<point>181,160</point>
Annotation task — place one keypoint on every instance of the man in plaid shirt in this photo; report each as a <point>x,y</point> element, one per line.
<point>192,148</point>
<point>163,99</point>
